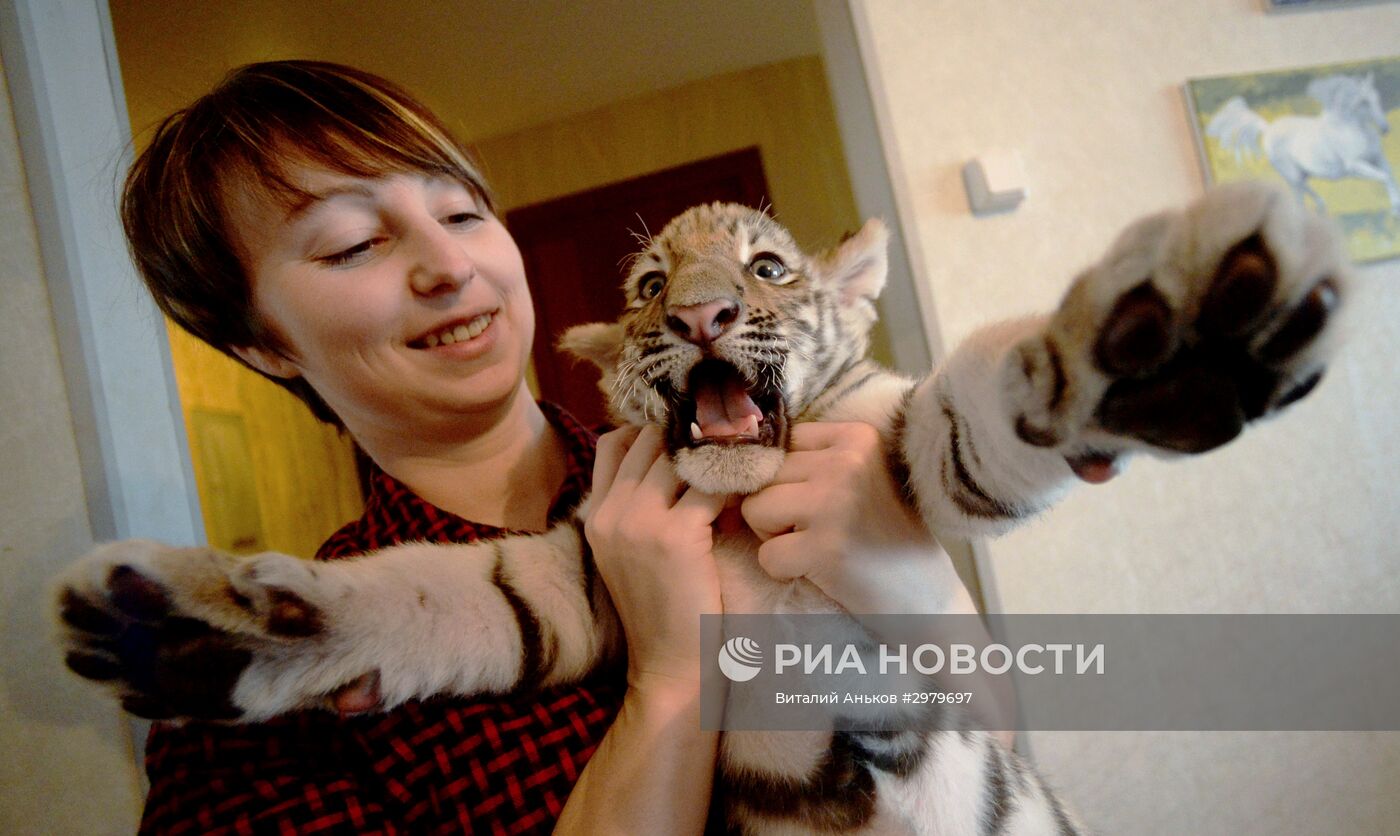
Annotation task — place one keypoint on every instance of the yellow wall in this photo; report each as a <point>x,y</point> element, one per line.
<point>303,471</point>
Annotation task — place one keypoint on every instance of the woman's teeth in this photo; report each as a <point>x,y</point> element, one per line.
<point>460,333</point>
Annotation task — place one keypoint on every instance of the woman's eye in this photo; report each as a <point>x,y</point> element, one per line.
<point>350,255</point>
<point>767,267</point>
<point>462,218</point>
<point>650,285</point>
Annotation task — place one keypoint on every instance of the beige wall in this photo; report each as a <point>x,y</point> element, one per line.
<point>66,768</point>
<point>1301,515</point>
<point>782,108</point>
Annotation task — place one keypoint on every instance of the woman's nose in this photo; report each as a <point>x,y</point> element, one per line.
<point>441,262</point>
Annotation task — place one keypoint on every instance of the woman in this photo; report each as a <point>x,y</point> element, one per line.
<point>322,227</point>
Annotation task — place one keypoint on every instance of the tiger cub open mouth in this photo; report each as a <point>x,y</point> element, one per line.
<point>723,407</point>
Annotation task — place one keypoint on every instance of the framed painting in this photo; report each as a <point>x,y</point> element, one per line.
<point>1325,132</point>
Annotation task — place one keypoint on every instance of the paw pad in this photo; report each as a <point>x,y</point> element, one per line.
<point>1138,334</point>
<point>136,595</point>
<point>1241,291</point>
<point>291,616</point>
<point>1304,325</point>
<point>1226,327</point>
<point>172,631</point>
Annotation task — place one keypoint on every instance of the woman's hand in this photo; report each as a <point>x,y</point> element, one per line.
<point>833,516</point>
<point>652,541</point>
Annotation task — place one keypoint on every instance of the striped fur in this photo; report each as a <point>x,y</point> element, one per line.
<point>989,438</point>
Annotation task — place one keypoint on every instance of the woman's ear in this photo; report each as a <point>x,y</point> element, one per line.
<point>268,362</point>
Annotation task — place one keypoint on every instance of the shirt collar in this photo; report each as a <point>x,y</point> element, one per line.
<point>386,492</point>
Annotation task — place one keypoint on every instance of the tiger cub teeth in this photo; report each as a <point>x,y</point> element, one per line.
<point>749,427</point>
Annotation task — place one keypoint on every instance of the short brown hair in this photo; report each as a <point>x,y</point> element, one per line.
<point>261,118</point>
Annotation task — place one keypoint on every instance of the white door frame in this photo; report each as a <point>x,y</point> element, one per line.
<point>70,112</point>
<point>858,98</point>
<point>74,135</point>
<point>907,307</point>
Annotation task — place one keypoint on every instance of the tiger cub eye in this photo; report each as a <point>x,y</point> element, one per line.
<point>650,285</point>
<point>767,267</point>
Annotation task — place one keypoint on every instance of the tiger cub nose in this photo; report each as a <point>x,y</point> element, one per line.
<point>704,323</point>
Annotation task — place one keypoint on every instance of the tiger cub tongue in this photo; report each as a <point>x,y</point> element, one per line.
<point>724,409</point>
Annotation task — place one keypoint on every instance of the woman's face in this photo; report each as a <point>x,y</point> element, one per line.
<point>401,299</point>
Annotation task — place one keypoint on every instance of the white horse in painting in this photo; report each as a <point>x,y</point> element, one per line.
<point>1343,141</point>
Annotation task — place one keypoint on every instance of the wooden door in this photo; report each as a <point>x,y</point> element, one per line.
<point>575,250</point>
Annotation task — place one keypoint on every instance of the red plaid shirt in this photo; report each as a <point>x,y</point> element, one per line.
<point>488,765</point>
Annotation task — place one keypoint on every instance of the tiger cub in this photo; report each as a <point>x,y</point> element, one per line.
<point>1195,323</point>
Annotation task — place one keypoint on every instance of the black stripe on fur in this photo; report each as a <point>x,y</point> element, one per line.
<point>808,329</point>
<point>854,386</point>
<point>1057,369</point>
<point>1062,822</point>
<point>532,663</point>
<point>822,379</point>
<point>589,568</point>
<point>998,800</point>
<point>901,755</point>
<point>896,462</point>
<point>840,795</point>
<point>970,497</point>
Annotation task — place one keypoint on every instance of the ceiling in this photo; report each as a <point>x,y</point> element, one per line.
<point>494,66</point>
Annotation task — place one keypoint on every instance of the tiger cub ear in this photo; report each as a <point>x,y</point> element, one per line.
<point>856,267</point>
<point>598,342</point>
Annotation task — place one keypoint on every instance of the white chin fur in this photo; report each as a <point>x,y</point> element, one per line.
<point>722,469</point>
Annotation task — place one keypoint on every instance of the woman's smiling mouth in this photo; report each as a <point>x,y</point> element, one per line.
<point>458,332</point>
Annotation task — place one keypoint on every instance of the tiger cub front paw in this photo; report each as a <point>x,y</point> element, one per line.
<point>172,632</point>
<point>1195,323</point>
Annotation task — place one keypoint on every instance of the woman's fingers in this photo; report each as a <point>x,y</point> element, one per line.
<point>661,480</point>
<point>777,510</point>
<point>663,485</point>
<point>820,435</point>
<point>787,557</point>
<point>640,456</point>
<point>612,447</point>
<point>801,466</point>
<point>705,506</point>
<point>636,459</point>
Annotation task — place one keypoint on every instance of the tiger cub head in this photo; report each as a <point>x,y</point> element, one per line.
<point>729,333</point>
